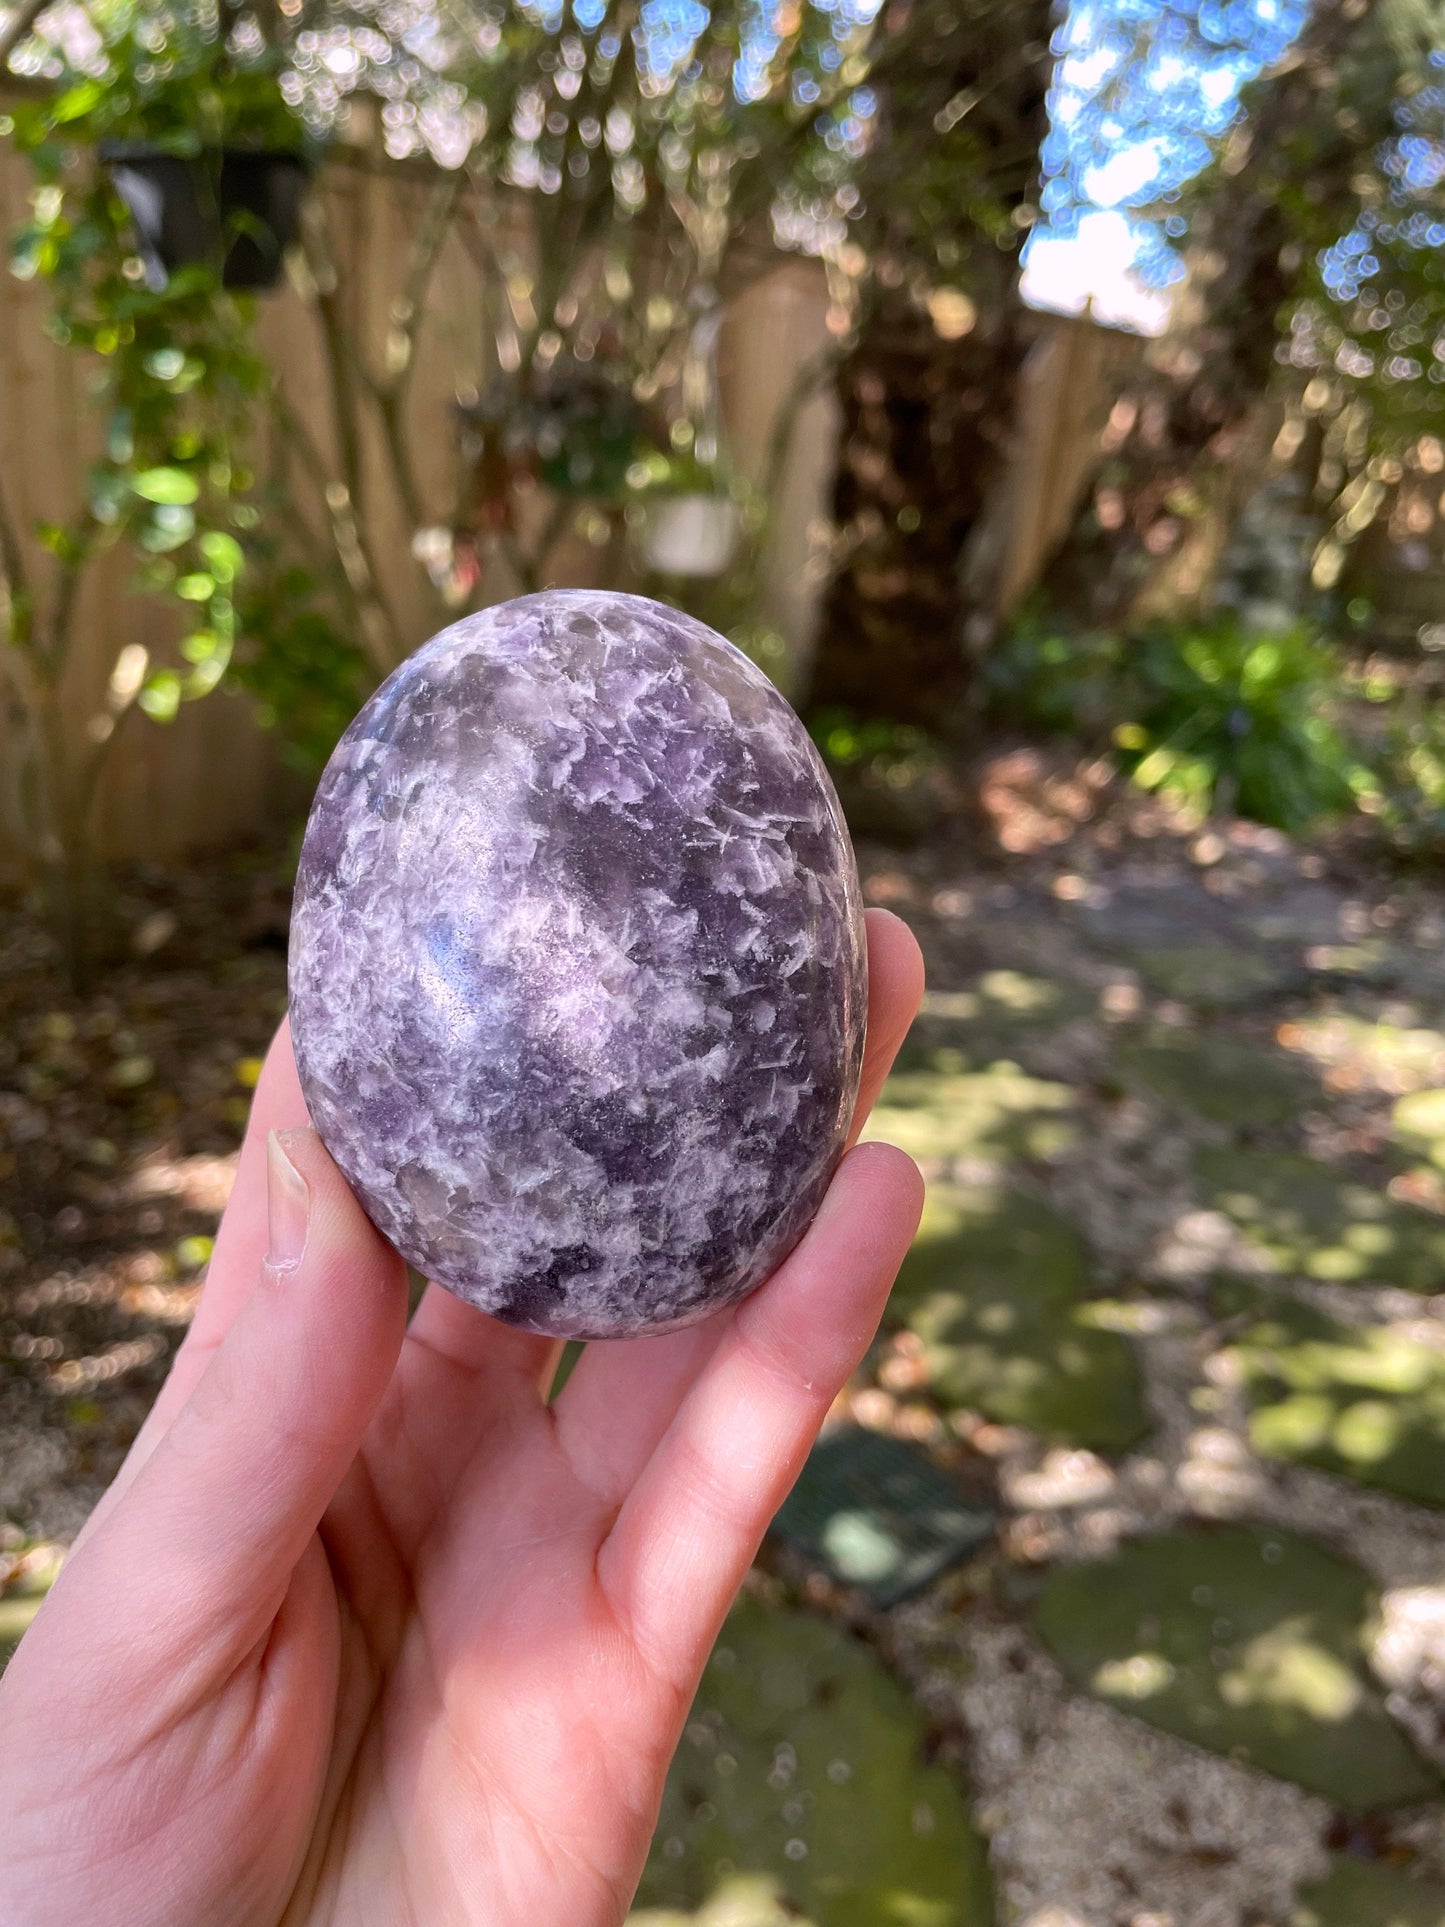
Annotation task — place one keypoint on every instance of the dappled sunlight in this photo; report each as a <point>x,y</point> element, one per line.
<point>1109,1592</point>
<point>1317,1222</point>
<point>1356,1051</point>
<point>951,1112</point>
<point>1298,1679</point>
<point>1139,1677</point>
<point>1062,1480</point>
<point>201,1183</point>
<point>1408,1648</point>
<point>1217,1475</point>
<point>1364,1401</point>
<point>1034,802</point>
<point>740,1900</point>
<point>1247,1642</point>
<point>996,993</point>
<point>1419,1123</point>
<point>997,1290</point>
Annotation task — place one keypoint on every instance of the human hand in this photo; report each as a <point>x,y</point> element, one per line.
<point>367,1632</point>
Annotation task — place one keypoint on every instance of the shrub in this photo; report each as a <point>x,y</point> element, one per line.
<point>1221,717</point>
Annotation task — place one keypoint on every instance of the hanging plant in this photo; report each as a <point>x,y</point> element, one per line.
<point>200,147</point>
<point>236,205</point>
<point>212,166</point>
<point>578,430</point>
<point>690,516</point>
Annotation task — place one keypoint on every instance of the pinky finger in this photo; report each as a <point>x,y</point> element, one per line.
<point>693,1521</point>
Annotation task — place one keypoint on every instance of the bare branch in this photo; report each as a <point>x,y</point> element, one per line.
<point>14,576</point>
<point>410,306</point>
<point>342,362</point>
<point>356,572</point>
<point>815,374</point>
<point>408,313</point>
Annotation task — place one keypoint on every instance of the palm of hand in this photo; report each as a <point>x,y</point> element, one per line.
<point>366,1631</point>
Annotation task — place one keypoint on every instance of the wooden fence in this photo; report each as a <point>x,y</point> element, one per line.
<point>211,777</point>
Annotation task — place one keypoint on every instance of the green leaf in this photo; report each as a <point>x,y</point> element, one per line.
<point>199,587</point>
<point>201,646</point>
<point>61,541</point>
<point>224,553</point>
<point>161,696</point>
<point>171,528</point>
<point>108,496</point>
<point>205,676</point>
<point>170,486</point>
<point>165,363</point>
<point>76,102</point>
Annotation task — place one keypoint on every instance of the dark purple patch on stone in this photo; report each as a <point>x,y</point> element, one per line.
<point>577,968</point>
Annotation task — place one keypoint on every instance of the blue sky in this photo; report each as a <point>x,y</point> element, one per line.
<point>1143,90</point>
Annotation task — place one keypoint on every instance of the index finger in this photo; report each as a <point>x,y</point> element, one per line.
<point>690,1526</point>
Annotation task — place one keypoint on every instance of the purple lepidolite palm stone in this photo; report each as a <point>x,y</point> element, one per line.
<point>577,965</point>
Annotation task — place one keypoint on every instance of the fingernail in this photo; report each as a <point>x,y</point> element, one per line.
<point>289,1204</point>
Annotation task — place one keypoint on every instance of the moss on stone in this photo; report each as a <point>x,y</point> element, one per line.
<point>1315,1222</point>
<point>1364,1401</point>
<point>1227,1082</point>
<point>1248,1642</point>
<point>1362,1893</point>
<point>800,1784</point>
<point>999,1288</point>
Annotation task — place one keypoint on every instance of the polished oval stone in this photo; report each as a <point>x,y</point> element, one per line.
<point>577,968</point>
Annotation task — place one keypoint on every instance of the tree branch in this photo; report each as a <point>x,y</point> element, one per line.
<point>342,365</point>
<point>814,374</point>
<point>408,312</point>
<point>13,573</point>
<point>409,308</point>
<point>356,572</point>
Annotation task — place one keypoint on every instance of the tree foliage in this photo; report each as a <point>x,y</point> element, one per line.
<point>1307,327</point>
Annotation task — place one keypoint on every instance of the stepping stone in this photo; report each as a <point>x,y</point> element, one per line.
<point>1213,977</point>
<point>998,1287</point>
<point>800,1784</point>
<point>1362,1893</point>
<point>1372,962</point>
<point>1365,1402</point>
<point>1314,1222</point>
<point>997,1113</point>
<point>877,1513</point>
<point>1228,1083</point>
<point>999,1014</point>
<point>1248,1643</point>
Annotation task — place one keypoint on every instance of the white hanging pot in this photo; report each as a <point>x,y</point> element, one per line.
<point>692,535</point>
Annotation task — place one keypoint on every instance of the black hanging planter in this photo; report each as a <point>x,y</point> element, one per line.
<point>239,206</point>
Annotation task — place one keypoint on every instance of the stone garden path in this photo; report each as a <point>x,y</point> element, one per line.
<point>1178,1306</point>
<point>1174,1328</point>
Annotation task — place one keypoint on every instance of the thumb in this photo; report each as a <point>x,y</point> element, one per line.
<point>222,1511</point>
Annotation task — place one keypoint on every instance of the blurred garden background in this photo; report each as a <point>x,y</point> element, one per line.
<point>1052,401</point>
